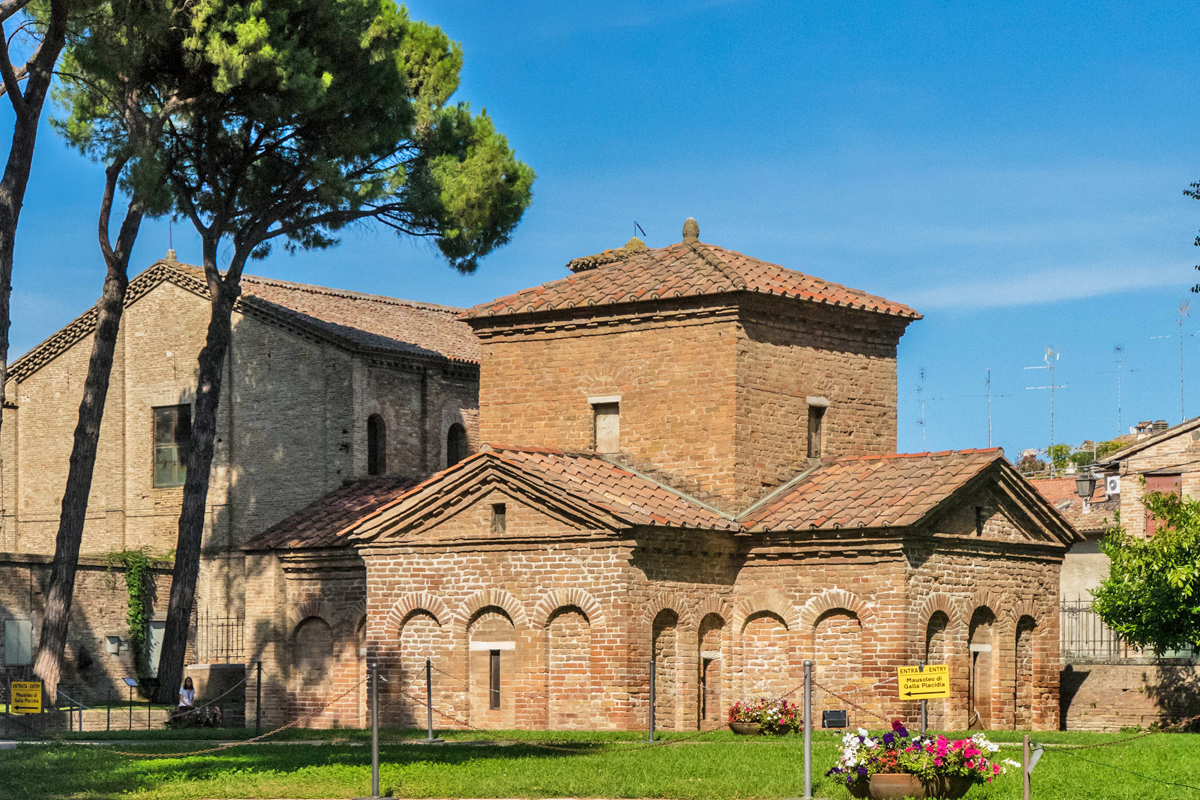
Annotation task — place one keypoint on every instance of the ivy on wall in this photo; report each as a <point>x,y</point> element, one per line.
<point>136,564</point>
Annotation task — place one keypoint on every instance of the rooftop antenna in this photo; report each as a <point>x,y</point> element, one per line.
<point>989,393</point>
<point>1120,355</point>
<point>1183,312</point>
<point>1051,359</point>
<point>637,228</point>
<point>921,400</point>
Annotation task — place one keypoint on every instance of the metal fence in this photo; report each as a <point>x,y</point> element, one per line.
<point>1083,635</point>
<point>220,639</point>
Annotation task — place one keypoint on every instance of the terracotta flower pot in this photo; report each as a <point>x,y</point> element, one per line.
<point>896,786</point>
<point>745,728</point>
<point>889,786</point>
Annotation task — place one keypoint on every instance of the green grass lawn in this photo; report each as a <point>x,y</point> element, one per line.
<point>720,766</point>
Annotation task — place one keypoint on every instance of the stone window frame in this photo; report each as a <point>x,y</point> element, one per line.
<point>606,406</point>
<point>817,407</point>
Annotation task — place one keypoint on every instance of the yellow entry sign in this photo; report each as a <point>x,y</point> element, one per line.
<point>931,684</point>
<point>26,697</point>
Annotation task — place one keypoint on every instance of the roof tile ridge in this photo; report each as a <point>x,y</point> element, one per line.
<point>311,288</point>
<point>497,447</point>
<point>670,489</point>
<point>779,492</point>
<point>705,252</point>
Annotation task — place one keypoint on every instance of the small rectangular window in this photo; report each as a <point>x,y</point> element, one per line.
<point>18,642</point>
<point>172,436</point>
<point>816,419</point>
<point>979,520</point>
<point>1164,484</point>
<point>499,517</point>
<point>607,421</point>
<point>493,679</point>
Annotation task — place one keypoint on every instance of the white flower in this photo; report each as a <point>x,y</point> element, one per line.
<point>863,732</point>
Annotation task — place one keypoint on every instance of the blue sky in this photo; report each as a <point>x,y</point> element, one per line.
<point>1015,172</point>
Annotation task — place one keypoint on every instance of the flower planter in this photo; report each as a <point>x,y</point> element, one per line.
<point>893,786</point>
<point>896,786</point>
<point>745,728</point>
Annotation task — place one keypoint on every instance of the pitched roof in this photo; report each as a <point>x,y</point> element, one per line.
<point>1061,493</point>
<point>1149,441</point>
<point>889,491</point>
<point>688,269</point>
<point>349,319</point>
<point>627,494</point>
<point>328,521</point>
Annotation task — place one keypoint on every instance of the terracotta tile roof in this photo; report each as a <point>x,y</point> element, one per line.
<point>626,494</point>
<point>1061,494</point>
<point>889,491</point>
<point>371,321</point>
<point>686,269</point>
<point>351,319</point>
<point>328,521</point>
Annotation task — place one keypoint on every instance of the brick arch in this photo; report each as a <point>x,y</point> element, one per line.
<point>940,601</point>
<point>416,601</point>
<point>1013,612</point>
<point>832,599</point>
<point>350,617</point>
<point>758,602</point>
<point>492,597</point>
<point>310,608</point>
<point>568,597</point>
<point>714,605</point>
<point>984,597</point>
<point>667,601</point>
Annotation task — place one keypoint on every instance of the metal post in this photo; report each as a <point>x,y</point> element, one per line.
<point>149,709</point>
<point>924,703</point>
<point>807,729</point>
<point>374,730</point>
<point>258,698</point>
<point>130,708</point>
<point>1025,767</point>
<point>108,715</point>
<point>652,699</point>
<point>429,699</point>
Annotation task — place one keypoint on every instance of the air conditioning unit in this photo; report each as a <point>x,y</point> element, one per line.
<point>1112,485</point>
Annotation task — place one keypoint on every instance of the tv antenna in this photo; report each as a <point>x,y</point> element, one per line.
<point>1051,359</point>
<point>1183,312</point>
<point>921,399</point>
<point>637,228</point>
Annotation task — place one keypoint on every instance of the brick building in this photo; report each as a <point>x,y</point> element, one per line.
<point>322,387</point>
<point>690,461</point>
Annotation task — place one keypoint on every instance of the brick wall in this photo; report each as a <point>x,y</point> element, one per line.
<point>291,427</point>
<point>784,357</point>
<point>723,618</point>
<point>1108,696</point>
<point>1177,454</point>
<point>90,672</point>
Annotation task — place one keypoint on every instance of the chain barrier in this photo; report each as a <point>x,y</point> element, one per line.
<point>851,703</point>
<point>229,745</point>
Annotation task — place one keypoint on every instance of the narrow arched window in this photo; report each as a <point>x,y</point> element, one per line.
<point>456,444</point>
<point>376,445</point>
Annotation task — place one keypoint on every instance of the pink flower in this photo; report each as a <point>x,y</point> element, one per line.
<point>970,764</point>
<point>937,762</point>
<point>995,769</point>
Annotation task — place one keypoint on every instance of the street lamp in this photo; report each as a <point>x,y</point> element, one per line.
<point>1085,486</point>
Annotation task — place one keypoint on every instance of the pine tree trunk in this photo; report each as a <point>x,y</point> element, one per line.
<point>195,489</point>
<point>20,162</point>
<point>79,479</point>
<point>109,311</point>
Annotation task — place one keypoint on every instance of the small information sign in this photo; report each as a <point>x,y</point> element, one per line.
<point>26,697</point>
<point>930,684</point>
